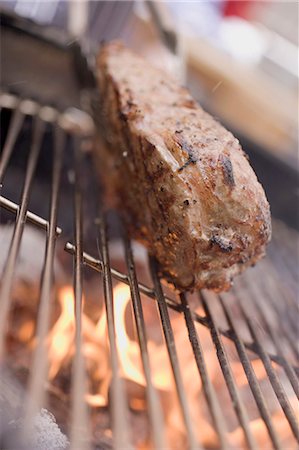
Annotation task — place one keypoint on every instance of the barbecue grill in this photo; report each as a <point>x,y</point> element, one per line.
<point>252,329</point>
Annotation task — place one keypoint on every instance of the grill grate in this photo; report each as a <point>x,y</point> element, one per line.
<point>259,296</point>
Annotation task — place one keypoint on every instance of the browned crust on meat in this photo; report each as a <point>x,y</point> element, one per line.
<point>182,180</point>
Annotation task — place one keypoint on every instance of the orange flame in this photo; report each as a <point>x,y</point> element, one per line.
<point>95,347</point>
<point>128,350</point>
<point>26,331</point>
<point>62,334</point>
<point>61,345</point>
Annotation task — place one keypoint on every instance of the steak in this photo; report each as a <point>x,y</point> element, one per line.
<point>181,180</point>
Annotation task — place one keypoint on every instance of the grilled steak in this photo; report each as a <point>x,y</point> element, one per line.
<point>181,179</point>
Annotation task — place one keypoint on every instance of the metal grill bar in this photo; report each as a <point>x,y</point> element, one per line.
<point>155,412</point>
<point>274,380</point>
<point>228,376</point>
<point>30,217</point>
<point>172,353</point>
<point>287,367</point>
<point>13,132</point>
<point>79,437</point>
<point>251,377</point>
<point>97,265</point>
<point>118,397</point>
<point>287,292</point>
<point>8,273</point>
<point>283,258</point>
<point>79,425</point>
<point>209,390</point>
<point>289,327</point>
<point>38,374</point>
<point>253,348</point>
<point>290,336</point>
<point>8,101</point>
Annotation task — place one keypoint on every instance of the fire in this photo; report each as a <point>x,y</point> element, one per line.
<point>26,331</point>
<point>95,347</point>
<point>261,436</point>
<point>129,352</point>
<point>62,334</point>
<point>61,344</point>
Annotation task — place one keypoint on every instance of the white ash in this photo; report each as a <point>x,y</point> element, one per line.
<point>47,434</point>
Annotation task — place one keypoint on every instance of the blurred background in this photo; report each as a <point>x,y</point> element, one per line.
<point>238,58</point>
<point>240,61</point>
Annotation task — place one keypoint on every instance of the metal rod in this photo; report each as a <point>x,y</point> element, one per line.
<point>97,265</point>
<point>290,332</point>
<point>172,353</point>
<point>207,385</point>
<point>286,326</point>
<point>154,407</point>
<point>13,132</point>
<point>228,376</point>
<point>164,25</point>
<point>287,306</point>
<point>281,252</point>
<point>260,307</point>
<point>274,380</point>
<point>279,263</point>
<point>38,374</point>
<point>253,348</point>
<point>8,101</point>
<point>8,273</point>
<point>286,287</point>
<point>118,396</point>
<point>30,217</point>
<point>252,379</point>
<point>79,425</point>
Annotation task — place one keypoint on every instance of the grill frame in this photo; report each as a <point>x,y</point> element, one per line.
<point>63,125</point>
